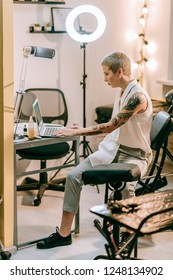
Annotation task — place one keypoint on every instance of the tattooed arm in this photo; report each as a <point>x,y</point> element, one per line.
<point>135,105</point>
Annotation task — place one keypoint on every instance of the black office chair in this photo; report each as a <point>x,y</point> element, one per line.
<point>54,109</point>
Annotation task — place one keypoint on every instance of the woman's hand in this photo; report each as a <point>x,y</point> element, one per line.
<point>68,131</point>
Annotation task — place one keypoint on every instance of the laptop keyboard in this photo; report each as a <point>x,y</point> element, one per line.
<point>50,130</point>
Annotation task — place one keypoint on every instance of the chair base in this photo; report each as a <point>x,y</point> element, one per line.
<point>32,184</point>
<point>5,255</point>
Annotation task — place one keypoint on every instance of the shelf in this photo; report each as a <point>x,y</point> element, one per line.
<point>31,30</point>
<point>39,2</point>
<point>48,32</point>
<point>167,85</point>
<point>165,82</point>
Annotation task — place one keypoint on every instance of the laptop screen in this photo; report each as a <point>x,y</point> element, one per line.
<point>37,112</point>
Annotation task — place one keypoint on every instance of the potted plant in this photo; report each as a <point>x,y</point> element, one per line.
<point>48,27</point>
<point>37,27</point>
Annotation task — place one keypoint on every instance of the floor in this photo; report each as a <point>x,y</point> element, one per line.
<point>38,222</point>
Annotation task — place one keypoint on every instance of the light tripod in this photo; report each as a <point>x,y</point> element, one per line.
<point>85,37</point>
<point>86,147</point>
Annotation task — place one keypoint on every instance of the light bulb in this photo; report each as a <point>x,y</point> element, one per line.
<point>151,64</point>
<point>130,35</point>
<point>145,10</point>
<point>142,20</point>
<point>135,65</point>
<point>151,47</point>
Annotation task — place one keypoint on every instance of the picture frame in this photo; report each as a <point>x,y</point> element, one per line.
<point>59,16</point>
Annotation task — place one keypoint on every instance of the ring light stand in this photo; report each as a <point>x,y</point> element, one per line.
<point>84,38</point>
<point>86,147</point>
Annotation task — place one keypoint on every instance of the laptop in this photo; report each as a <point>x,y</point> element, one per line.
<point>44,129</point>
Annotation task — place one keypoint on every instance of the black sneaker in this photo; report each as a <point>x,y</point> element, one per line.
<point>54,240</point>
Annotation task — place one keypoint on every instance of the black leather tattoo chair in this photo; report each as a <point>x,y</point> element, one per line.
<point>115,176</point>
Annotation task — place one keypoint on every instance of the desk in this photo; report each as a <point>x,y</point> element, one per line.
<point>37,143</point>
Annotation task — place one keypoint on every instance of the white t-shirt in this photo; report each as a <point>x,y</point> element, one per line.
<point>135,133</point>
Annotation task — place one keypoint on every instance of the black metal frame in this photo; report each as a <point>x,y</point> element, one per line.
<point>154,180</point>
<point>86,147</point>
<point>114,252</point>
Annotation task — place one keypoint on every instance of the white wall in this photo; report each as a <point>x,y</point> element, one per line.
<point>66,69</point>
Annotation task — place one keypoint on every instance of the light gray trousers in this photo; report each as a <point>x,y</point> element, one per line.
<point>74,181</point>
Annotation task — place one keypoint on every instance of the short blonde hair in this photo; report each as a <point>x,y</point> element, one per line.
<point>118,60</point>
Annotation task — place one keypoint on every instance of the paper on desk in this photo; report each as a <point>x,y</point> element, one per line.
<point>20,127</point>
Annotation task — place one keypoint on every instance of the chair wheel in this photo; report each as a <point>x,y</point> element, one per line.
<point>37,202</point>
<point>5,255</point>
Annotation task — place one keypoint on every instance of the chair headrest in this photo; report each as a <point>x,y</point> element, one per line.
<point>161,127</point>
<point>169,97</point>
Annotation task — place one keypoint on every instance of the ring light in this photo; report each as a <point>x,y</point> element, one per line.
<point>85,38</point>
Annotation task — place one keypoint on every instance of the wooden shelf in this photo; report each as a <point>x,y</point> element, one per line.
<point>39,2</point>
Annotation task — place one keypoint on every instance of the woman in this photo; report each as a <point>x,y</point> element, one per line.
<point>127,140</point>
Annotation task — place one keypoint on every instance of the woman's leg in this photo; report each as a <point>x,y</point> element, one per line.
<point>142,163</point>
<point>73,189</point>
<point>72,193</point>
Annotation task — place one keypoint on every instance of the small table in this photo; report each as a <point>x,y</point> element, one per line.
<point>142,215</point>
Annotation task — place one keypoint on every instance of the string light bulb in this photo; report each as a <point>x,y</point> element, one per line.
<point>145,9</point>
<point>145,46</point>
<point>142,20</point>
